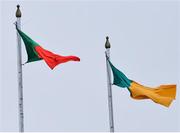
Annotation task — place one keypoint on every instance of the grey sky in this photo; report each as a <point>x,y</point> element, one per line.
<point>73,97</point>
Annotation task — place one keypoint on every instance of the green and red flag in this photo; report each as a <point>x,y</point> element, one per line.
<point>35,52</point>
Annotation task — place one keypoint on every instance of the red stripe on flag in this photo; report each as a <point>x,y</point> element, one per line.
<point>52,59</point>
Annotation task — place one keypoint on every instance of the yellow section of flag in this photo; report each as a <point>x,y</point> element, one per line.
<point>163,94</point>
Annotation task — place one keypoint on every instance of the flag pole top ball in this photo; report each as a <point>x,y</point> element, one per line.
<point>107,44</point>
<point>18,12</point>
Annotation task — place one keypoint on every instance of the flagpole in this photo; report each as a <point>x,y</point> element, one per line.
<point>19,67</point>
<point>109,85</point>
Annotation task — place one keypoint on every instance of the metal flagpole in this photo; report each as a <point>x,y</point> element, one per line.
<point>109,85</point>
<point>19,67</point>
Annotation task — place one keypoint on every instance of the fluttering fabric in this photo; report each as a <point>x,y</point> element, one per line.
<point>164,94</point>
<point>35,53</point>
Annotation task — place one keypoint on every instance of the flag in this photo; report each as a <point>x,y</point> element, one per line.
<point>164,94</point>
<point>35,53</point>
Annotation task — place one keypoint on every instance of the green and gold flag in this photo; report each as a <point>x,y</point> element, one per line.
<point>163,94</point>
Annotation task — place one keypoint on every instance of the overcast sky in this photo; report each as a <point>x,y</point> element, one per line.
<point>73,97</point>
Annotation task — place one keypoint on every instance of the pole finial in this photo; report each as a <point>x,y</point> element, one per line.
<point>18,12</point>
<point>107,44</point>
